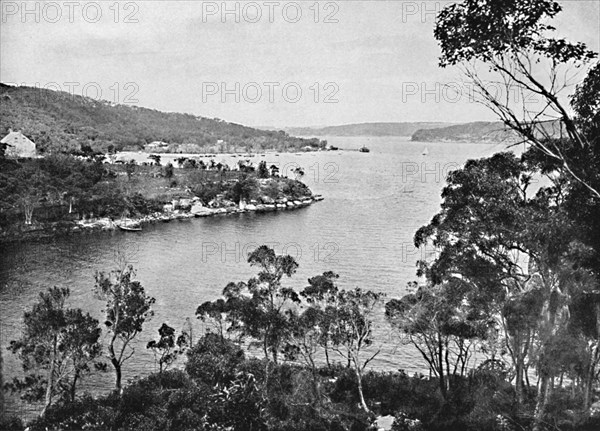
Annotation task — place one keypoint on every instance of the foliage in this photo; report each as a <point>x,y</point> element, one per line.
<point>56,348</point>
<point>443,325</point>
<point>127,309</point>
<point>59,121</point>
<point>244,189</point>
<point>167,348</point>
<point>214,360</point>
<point>263,171</point>
<point>11,423</point>
<point>168,171</point>
<point>351,330</point>
<point>260,308</point>
<point>514,41</point>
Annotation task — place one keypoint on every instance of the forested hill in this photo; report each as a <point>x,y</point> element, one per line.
<point>364,129</point>
<point>480,131</point>
<point>63,122</point>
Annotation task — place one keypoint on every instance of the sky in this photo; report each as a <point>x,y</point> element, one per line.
<point>263,63</point>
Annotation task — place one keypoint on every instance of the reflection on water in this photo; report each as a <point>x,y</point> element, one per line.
<point>363,230</point>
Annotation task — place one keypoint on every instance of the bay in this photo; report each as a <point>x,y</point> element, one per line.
<point>363,230</point>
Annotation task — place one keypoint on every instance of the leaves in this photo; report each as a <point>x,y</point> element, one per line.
<point>127,308</point>
<point>56,347</point>
<point>482,29</point>
<point>167,346</point>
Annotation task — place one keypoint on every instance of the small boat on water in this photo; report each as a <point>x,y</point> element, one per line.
<point>129,225</point>
<point>130,228</point>
<point>425,151</point>
<point>364,149</point>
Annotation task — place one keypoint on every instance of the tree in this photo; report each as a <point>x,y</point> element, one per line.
<point>298,172</point>
<point>56,348</point>
<point>258,308</point>
<point>214,312</point>
<point>169,171</point>
<point>156,158</point>
<point>130,167</point>
<point>515,251</point>
<point>352,330</point>
<point>127,309</point>
<point>167,347</point>
<point>81,338</point>
<point>322,292</point>
<point>263,171</point>
<point>274,170</point>
<point>307,334</point>
<point>442,324</point>
<point>513,41</point>
<point>214,360</point>
<point>244,188</point>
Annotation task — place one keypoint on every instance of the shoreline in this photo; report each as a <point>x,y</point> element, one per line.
<point>49,230</point>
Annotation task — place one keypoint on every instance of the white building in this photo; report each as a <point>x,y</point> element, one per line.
<point>18,145</point>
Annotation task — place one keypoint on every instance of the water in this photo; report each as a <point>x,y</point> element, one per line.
<point>363,230</point>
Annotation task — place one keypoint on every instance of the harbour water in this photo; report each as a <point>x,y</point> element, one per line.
<point>363,230</point>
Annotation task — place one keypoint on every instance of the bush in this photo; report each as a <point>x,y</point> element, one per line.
<point>11,423</point>
<point>214,360</point>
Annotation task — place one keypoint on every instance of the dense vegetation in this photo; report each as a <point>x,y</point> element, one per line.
<point>59,121</point>
<point>55,191</point>
<point>479,131</point>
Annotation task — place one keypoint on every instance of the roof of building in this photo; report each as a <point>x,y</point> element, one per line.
<point>15,138</point>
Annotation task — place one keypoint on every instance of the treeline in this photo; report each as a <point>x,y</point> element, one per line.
<point>63,188</point>
<point>366,129</point>
<point>62,122</point>
<point>60,189</point>
<point>480,131</point>
<point>316,346</point>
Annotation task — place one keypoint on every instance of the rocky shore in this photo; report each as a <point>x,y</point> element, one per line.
<point>182,209</point>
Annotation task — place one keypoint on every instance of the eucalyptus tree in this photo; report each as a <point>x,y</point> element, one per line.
<point>127,308</point>
<point>521,70</point>
<point>444,324</point>
<point>351,330</point>
<point>512,248</point>
<point>322,292</point>
<point>259,308</point>
<point>168,347</point>
<point>56,348</point>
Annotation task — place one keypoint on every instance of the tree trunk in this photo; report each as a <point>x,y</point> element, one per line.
<point>50,384</point>
<point>519,381</point>
<point>265,348</point>
<point>73,385</point>
<point>441,368</point>
<point>360,390</point>
<point>115,362</point>
<point>315,377</point>
<point>542,400</point>
<point>117,366</point>
<point>28,214</point>
<point>587,387</point>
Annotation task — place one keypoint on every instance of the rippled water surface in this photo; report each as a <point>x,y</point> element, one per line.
<point>363,230</point>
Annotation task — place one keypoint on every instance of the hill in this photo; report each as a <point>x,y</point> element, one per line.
<point>364,129</point>
<point>59,121</point>
<point>480,131</point>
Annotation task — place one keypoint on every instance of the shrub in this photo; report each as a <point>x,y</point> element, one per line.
<point>214,360</point>
<point>11,423</point>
